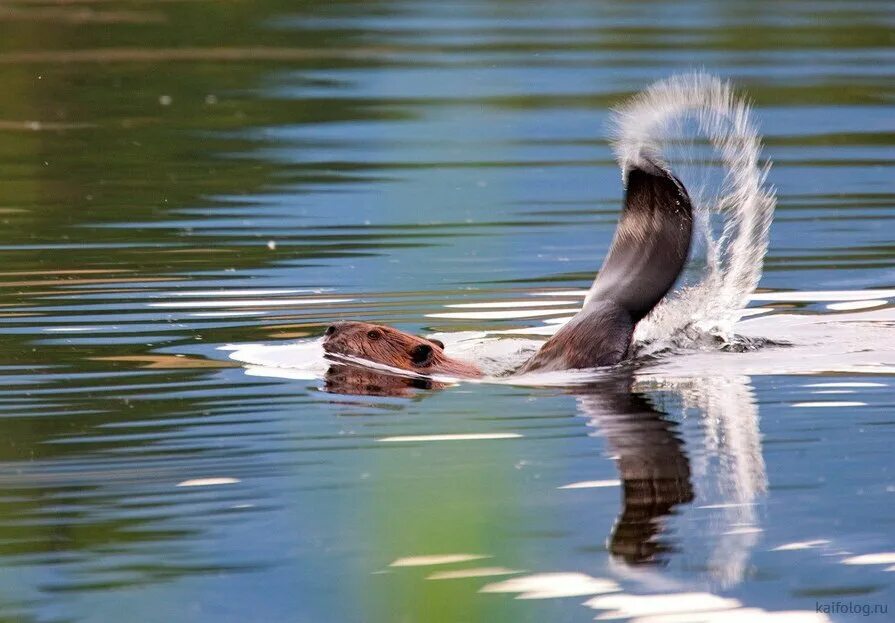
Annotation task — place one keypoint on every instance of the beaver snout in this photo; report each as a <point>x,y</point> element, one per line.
<point>332,336</point>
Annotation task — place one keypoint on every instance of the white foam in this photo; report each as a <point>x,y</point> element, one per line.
<point>649,124</point>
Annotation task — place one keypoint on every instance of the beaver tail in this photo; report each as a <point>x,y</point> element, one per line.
<point>651,243</point>
<point>648,252</point>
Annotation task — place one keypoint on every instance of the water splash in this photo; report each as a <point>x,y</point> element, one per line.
<point>696,125</point>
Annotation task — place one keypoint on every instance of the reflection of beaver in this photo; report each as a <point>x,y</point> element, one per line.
<point>651,461</point>
<point>355,380</point>
<point>647,255</point>
<point>649,454</point>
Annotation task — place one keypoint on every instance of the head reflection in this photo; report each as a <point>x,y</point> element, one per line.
<point>356,380</point>
<point>652,464</point>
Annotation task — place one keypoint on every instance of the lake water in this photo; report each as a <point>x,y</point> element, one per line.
<point>186,178</point>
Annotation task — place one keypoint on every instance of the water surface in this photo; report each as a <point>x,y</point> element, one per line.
<point>187,175</point>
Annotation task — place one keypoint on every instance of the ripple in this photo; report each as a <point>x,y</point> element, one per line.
<point>450,437</point>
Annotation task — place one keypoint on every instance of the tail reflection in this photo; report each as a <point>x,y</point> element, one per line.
<point>653,466</point>
<point>712,481</point>
<point>717,533</point>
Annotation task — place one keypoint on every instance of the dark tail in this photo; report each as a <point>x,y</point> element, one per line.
<point>651,243</point>
<point>647,255</point>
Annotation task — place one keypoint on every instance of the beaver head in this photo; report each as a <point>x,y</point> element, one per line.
<point>385,345</point>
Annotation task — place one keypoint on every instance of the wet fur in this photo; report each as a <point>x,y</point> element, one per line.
<point>385,345</point>
<point>649,251</point>
<point>599,335</point>
<point>647,255</point>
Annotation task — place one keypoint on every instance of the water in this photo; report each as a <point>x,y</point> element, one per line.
<point>185,177</point>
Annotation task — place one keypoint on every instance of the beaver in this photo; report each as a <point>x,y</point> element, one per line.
<point>648,252</point>
<point>385,345</point>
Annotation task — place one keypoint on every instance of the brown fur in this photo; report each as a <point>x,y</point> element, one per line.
<point>385,345</point>
<point>599,335</point>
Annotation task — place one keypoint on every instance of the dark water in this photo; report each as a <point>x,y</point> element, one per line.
<point>179,176</point>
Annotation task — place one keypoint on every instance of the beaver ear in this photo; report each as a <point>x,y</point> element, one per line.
<point>438,343</point>
<point>421,354</point>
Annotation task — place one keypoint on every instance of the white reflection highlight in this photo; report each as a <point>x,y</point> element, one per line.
<point>435,559</point>
<point>592,484</point>
<point>884,558</point>
<point>578,293</point>
<point>503,315</point>
<point>228,314</point>
<point>225,293</point>
<point>475,572</point>
<point>71,329</point>
<point>845,385</point>
<point>245,303</point>
<point>849,305</point>
<point>552,586</point>
<point>692,608</point>
<point>624,606</point>
<point>805,296</point>
<point>799,545</point>
<point>208,482</point>
<point>822,404</point>
<point>511,304</point>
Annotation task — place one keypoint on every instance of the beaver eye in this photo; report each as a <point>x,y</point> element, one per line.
<point>373,334</point>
